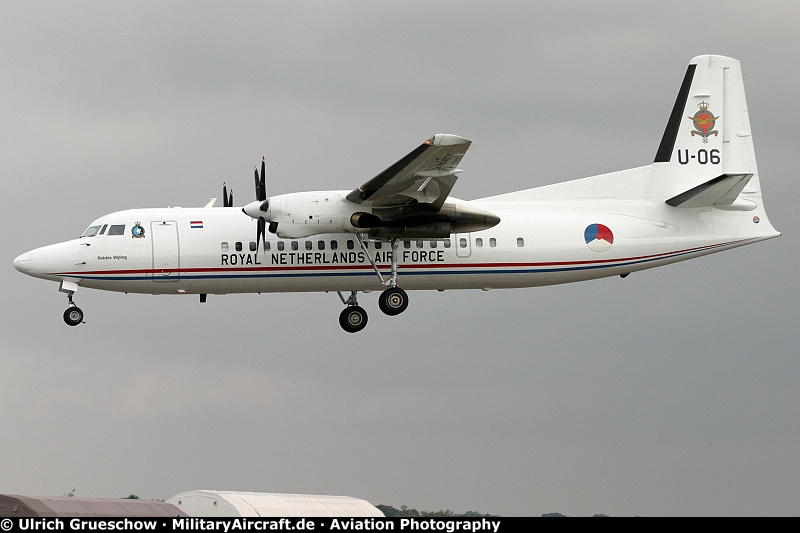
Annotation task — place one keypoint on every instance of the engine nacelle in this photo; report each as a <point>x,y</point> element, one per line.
<point>298,215</point>
<point>456,216</point>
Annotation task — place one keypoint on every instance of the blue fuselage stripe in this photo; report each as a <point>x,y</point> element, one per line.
<point>405,272</point>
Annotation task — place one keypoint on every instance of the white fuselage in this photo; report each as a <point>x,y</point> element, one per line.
<point>538,242</point>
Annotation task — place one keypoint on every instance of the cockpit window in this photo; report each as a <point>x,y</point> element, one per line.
<point>91,231</point>
<point>117,230</point>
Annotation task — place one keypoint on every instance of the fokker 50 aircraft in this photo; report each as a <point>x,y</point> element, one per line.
<point>403,229</point>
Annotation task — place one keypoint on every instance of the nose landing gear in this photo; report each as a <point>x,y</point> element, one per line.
<point>73,315</point>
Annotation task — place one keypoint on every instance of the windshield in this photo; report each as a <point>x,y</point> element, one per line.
<point>91,231</point>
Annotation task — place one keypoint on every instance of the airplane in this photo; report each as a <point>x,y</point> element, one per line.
<point>402,228</point>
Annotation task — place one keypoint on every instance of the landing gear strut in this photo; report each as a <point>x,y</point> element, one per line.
<point>393,300</point>
<point>73,315</point>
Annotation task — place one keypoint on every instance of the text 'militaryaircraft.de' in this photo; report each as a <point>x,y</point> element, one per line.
<point>403,229</point>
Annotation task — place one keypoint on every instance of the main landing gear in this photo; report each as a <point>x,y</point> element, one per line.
<point>392,301</point>
<point>353,318</point>
<point>73,315</point>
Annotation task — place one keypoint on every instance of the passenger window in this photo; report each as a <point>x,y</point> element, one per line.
<point>309,245</point>
<point>433,244</point>
<point>281,245</point>
<point>378,245</point>
<point>320,245</point>
<point>492,242</point>
<point>447,243</point>
<point>117,229</point>
<point>238,247</point>
<point>520,242</point>
<point>295,245</point>
<point>350,245</point>
<point>406,244</point>
<point>334,245</point>
<point>266,246</point>
<point>462,242</point>
<point>420,244</point>
<point>253,246</point>
<point>479,242</point>
<point>224,247</point>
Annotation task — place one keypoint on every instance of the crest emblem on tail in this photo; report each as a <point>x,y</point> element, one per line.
<point>704,122</point>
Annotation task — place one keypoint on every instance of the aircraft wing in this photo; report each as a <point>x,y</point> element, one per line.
<point>424,177</point>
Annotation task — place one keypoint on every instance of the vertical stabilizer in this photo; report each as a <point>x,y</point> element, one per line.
<point>707,140</point>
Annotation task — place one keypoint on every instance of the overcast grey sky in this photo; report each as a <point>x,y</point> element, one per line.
<point>672,392</point>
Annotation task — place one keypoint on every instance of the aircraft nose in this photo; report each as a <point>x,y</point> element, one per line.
<point>23,262</point>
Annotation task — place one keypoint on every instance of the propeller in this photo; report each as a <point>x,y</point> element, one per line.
<point>261,196</point>
<point>227,200</point>
<point>260,209</point>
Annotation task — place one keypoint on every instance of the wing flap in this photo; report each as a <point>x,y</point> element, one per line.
<point>425,176</point>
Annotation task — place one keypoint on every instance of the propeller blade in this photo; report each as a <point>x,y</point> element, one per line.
<point>225,202</point>
<point>263,179</point>
<point>230,199</point>
<point>261,235</point>
<point>261,187</point>
<point>261,196</point>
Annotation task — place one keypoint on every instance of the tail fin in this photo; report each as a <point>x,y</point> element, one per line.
<point>706,155</point>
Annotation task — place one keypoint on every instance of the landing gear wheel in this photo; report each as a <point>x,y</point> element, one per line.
<point>73,316</point>
<point>393,301</point>
<point>353,319</point>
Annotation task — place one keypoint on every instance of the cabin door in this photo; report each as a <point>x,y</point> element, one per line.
<point>166,256</point>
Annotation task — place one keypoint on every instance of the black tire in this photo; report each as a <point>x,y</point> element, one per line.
<point>353,319</point>
<point>73,316</point>
<point>393,301</point>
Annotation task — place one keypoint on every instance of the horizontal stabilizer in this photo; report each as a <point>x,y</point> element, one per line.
<point>722,190</point>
